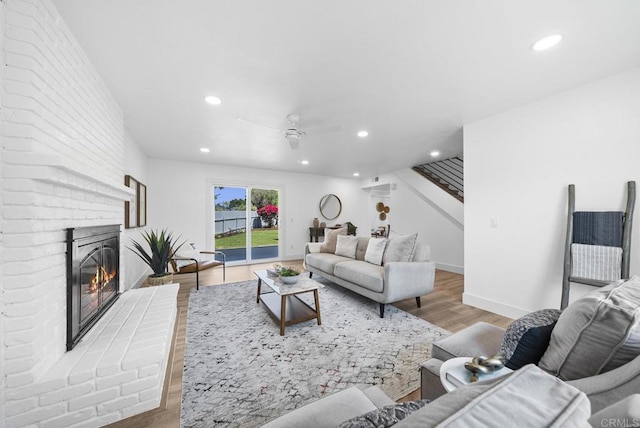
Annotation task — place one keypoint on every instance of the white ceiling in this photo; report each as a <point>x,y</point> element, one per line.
<point>411,72</point>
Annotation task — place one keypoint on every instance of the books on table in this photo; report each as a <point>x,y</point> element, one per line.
<point>460,376</point>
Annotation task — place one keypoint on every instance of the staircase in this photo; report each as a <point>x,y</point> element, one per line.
<point>447,174</point>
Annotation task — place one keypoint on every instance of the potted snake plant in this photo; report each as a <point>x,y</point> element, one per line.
<point>162,246</point>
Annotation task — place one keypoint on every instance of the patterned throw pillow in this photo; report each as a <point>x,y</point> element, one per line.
<point>346,246</point>
<point>331,239</point>
<point>384,417</point>
<point>399,248</point>
<point>527,338</point>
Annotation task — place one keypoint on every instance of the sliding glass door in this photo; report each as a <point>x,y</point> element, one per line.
<point>246,226</point>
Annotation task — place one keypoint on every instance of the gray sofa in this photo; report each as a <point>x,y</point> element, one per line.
<point>603,390</point>
<point>598,333</point>
<point>383,284</point>
<point>529,395</point>
<point>334,409</point>
<point>592,345</point>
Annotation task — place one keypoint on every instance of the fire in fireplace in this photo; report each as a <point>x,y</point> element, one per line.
<point>93,261</point>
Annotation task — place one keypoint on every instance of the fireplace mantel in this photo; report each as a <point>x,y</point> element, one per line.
<point>53,168</point>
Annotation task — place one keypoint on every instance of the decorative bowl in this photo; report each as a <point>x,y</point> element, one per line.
<point>290,279</point>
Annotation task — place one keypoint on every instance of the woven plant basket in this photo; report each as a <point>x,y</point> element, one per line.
<point>160,280</point>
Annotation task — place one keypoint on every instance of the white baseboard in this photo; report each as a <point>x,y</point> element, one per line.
<point>294,257</point>
<point>450,268</point>
<point>493,306</point>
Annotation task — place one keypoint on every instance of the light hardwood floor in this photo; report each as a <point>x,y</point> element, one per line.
<point>442,307</point>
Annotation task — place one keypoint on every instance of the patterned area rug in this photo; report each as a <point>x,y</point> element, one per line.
<point>239,371</point>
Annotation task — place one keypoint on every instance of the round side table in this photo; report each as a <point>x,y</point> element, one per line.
<point>448,365</point>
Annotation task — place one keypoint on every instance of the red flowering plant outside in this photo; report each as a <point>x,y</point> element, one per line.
<point>268,214</point>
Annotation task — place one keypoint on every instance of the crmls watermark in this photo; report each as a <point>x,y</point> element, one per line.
<point>620,423</point>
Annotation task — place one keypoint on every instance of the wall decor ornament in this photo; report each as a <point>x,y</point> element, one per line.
<point>383,216</point>
<point>330,206</point>
<point>135,212</point>
<point>130,207</point>
<point>382,209</point>
<point>142,205</point>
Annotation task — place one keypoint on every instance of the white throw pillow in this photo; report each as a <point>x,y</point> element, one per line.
<point>375,251</point>
<point>346,246</point>
<point>186,252</point>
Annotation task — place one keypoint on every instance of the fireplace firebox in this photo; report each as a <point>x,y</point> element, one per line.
<point>93,261</point>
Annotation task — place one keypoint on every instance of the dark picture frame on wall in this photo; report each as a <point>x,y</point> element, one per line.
<point>131,208</point>
<point>142,204</point>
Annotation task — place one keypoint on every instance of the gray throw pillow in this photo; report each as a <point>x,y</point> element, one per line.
<point>527,338</point>
<point>399,248</point>
<point>331,239</point>
<point>596,333</point>
<point>346,246</point>
<point>375,251</point>
<point>384,417</point>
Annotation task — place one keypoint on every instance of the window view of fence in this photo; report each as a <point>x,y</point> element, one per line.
<point>231,222</point>
<point>231,225</point>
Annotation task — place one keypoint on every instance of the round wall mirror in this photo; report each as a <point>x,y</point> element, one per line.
<point>330,206</point>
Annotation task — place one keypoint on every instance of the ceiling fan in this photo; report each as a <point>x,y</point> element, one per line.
<point>293,133</point>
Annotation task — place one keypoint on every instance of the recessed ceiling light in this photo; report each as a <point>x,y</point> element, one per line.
<point>304,162</point>
<point>435,153</point>
<point>213,100</point>
<point>205,150</point>
<point>362,134</point>
<point>356,174</point>
<point>546,42</point>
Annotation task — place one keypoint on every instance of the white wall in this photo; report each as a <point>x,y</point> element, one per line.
<point>517,168</point>
<point>411,212</point>
<point>135,165</point>
<point>179,194</point>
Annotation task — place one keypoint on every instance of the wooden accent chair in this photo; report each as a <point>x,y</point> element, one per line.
<point>200,265</point>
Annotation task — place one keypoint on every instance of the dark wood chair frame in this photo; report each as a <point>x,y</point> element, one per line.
<point>200,265</point>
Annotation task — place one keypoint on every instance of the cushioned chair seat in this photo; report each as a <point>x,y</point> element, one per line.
<point>202,265</point>
<point>324,261</point>
<point>366,275</point>
<point>189,262</point>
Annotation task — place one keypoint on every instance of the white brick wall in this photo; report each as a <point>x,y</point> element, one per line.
<point>18,349</point>
<point>61,165</point>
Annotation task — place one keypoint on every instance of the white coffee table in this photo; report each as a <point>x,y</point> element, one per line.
<point>456,364</point>
<point>283,302</point>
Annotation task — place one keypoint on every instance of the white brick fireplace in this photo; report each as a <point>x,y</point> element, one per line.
<point>61,165</point>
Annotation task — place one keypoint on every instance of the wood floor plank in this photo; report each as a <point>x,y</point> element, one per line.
<point>443,307</point>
